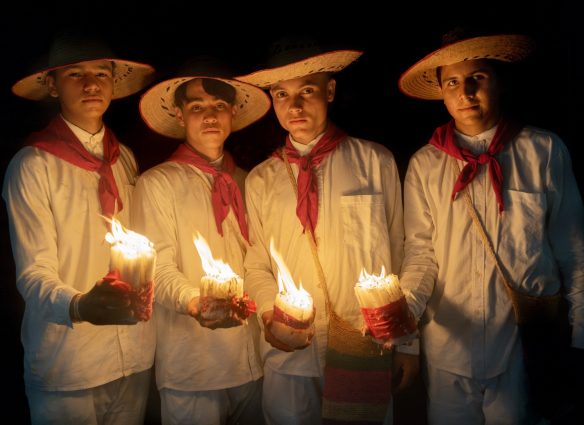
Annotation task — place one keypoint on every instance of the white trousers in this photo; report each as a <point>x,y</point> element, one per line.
<point>501,400</point>
<point>120,402</point>
<point>237,405</point>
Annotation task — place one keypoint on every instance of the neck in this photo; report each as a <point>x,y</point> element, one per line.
<point>209,154</point>
<point>92,126</point>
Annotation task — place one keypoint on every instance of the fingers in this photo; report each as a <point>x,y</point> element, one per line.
<point>103,308</point>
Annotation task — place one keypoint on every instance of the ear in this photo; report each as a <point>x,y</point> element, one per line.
<point>179,116</point>
<point>330,90</point>
<point>51,86</point>
<point>234,111</point>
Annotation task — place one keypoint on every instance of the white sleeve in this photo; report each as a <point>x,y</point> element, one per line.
<point>259,278</point>
<point>153,216</point>
<point>34,238</point>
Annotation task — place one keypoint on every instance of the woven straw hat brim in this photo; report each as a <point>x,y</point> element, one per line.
<point>129,78</point>
<point>327,62</point>
<point>420,80</point>
<point>158,110</point>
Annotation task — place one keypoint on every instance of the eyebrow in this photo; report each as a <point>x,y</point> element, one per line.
<point>305,82</point>
<point>478,70</point>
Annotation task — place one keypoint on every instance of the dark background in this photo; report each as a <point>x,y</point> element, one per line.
<point>369,105</point>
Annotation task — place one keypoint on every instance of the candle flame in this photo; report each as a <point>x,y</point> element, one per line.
<point>367,280</point>
<point>298,297</point>
<point>132,244</point>
<point>216,269</point>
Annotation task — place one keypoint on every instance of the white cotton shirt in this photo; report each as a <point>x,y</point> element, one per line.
<point>172,202</point>
<point>450,281</point>
<point>360,225</point>
<point>58,243</point>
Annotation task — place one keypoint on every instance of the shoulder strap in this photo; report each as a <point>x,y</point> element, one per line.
<point>311,239</point>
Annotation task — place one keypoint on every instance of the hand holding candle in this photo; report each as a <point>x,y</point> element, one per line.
<point>132,262</point>
<point>222,302</point>
<point>293,319</point>
<point>385,309</point>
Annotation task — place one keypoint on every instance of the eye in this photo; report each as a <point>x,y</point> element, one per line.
<point>451,83</point>
<point>479,77</point>
<point>221,106</point>
<point>279,94</point>
<point>74,74</point>
<point>103,75</point>
<point>308,90</point>
<point>196,108</point>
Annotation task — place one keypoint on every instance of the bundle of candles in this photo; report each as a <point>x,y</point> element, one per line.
<point>293,320</point>
<point>384,308</point>
<point>132,262</point>
<point>222,294</point>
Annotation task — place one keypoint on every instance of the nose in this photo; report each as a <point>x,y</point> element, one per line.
<point>469,88</point>
<point>210,116</point>
<point>296,104</point>
<point>90,83</point>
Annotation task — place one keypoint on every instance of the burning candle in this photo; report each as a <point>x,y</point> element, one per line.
<point>132,255</point>
<point>132,263</point>
<point>221,288</point>
<point>384,307</point>
<point>220,281</point>
<point>293,308</point>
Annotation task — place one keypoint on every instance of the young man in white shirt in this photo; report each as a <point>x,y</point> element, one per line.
<point>349,198</point>
<point>206,372</point>
<point>56,190</point>
<point>519,181</point>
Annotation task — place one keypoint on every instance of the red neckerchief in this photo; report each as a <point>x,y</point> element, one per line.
<point>445,140</point>
<point>225,192</point>
<point>58,139</point>
<point>307,202</point>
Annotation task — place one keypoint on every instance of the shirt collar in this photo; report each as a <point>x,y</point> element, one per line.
<point>92,142</point>
<point>476,143</point>
<point>303,149</point>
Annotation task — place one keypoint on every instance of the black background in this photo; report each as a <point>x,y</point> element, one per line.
<point>368,103</point>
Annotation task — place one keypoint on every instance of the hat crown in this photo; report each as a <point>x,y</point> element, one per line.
<point>205,66</point>
<point>68,48</point>
<point>292,49</point>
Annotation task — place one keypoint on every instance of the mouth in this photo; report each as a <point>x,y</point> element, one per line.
<point>211,130</point>
<point>469,108</point>
<point>91,99</point>
<point>296,121</point>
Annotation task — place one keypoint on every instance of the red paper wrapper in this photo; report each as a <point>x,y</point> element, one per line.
<point>392,321</point>
<point>141,300</point>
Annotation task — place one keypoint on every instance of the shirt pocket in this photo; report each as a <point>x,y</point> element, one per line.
<point>365,231</point>
<point>522,231</point>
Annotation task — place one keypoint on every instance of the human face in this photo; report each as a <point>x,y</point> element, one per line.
<point>207,120</point>
<point>301,105</point>
<point>84,90</point>
<point>471,94</point>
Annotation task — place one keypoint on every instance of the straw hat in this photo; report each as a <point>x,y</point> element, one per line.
<point>68,49</point>
<point>420,80</point>
<point>297,57</point>
<point>157,104</point>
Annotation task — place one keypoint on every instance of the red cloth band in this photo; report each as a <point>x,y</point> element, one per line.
<point>390,321</point>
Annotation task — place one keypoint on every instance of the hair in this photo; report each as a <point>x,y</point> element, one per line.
<point>217,88</point>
